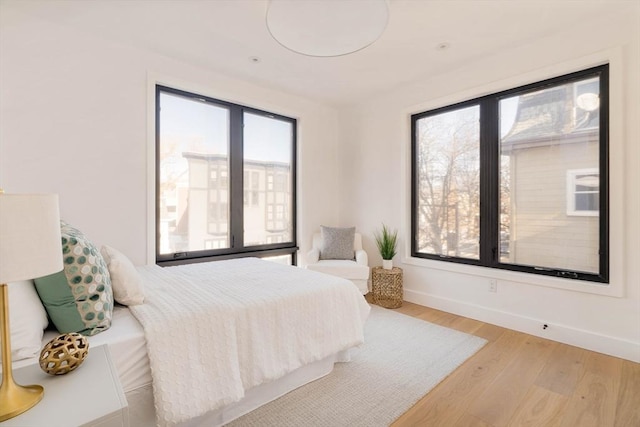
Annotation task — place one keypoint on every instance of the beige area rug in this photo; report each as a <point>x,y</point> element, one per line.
<point>402,359</point>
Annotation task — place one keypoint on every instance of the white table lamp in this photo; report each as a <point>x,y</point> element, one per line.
<point>30,247</point>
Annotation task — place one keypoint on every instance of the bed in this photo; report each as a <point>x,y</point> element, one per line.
<point>214,341</point>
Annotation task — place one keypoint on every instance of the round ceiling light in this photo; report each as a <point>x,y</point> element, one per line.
<point>327,28</point>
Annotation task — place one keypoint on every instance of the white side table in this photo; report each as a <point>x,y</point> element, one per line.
<point>89,396</point>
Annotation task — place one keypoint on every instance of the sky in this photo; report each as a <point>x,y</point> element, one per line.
<point>185,120</point>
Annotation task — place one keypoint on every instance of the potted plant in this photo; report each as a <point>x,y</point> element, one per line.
<point>387,242</point>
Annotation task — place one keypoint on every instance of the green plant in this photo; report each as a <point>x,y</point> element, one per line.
<point>387,242</point>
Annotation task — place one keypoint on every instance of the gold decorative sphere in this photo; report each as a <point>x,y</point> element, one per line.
<point>64,353</point>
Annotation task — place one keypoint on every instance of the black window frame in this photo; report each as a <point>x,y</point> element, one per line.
<point>490,179</point>
<point>237,248</point>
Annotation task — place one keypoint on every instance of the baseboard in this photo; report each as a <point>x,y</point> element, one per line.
<point>612,346</point>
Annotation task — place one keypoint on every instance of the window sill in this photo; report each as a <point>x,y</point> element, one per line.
<point>613,289</point>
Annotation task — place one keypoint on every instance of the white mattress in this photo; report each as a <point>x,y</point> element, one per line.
<point>127,346</point>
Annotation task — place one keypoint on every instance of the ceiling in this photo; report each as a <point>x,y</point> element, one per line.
<point>225,36</point>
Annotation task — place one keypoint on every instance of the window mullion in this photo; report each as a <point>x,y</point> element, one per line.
<point>489,182</point>
<point>236,179</point>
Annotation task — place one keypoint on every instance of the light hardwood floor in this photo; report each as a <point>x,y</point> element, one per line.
<point>522,380</point>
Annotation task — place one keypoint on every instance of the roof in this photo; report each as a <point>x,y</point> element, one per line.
<point>211,157</point>
<point>551,115</point>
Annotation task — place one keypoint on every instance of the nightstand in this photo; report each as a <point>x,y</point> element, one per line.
<point>386,286</point>
<point>89,396</point>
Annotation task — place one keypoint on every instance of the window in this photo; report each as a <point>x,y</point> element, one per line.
<point>583,192</point>
<point>213,159</point>
<point>251,188</point>
<point>517,180</point>
<point>448,166</point>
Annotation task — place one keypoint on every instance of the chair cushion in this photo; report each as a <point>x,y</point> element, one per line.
<point>337,243</point>
<point>342,268</point>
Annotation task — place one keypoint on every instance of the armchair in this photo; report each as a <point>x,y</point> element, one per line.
<point>356,270</point>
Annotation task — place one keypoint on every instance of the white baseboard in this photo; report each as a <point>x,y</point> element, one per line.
<point>612,346</point>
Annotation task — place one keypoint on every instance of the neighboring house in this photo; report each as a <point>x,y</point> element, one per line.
<point>553,179</point>
<point>267,200</point>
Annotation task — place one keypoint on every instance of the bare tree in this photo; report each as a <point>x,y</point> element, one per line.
<point>448,183</point>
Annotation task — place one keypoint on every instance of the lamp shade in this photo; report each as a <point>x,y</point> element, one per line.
<point>30,244</point>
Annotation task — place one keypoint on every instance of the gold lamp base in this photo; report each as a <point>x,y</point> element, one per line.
<point>14,398</point>
<point>17,399</point>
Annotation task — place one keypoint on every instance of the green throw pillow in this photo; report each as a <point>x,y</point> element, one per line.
<point>79,298</point>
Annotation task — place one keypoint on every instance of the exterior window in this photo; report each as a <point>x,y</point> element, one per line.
<point>213,159</point>
<point>583,192</point>
<point>517,180</point>
<point>281,182</point>
<point>251,188</point>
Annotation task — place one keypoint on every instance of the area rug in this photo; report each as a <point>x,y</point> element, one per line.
<point>402,359</point>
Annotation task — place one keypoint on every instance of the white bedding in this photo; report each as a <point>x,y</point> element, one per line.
<point>127,346</point>
<point>215,330</point>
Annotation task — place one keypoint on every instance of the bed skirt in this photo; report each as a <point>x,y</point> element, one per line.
<point>142,412</point>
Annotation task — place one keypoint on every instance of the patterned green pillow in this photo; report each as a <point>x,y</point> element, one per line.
<point>79,298</point>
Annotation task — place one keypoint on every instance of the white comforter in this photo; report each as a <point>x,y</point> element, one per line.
<point>214,330</point>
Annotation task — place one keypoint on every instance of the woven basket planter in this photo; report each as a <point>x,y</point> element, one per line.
<point>386,286</point>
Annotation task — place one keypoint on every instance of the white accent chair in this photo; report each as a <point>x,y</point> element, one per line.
<point>356,270</point>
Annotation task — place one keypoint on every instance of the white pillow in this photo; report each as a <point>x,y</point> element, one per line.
<point>126,282</point>
<point>27,320</point>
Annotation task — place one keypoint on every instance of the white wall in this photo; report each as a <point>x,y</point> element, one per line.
<point>75,119</point>
<point>376,135</point>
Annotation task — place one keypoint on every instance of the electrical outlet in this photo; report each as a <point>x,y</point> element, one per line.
<point>493,285</point>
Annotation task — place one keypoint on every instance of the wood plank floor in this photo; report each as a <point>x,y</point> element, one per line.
<point>522,380</point>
